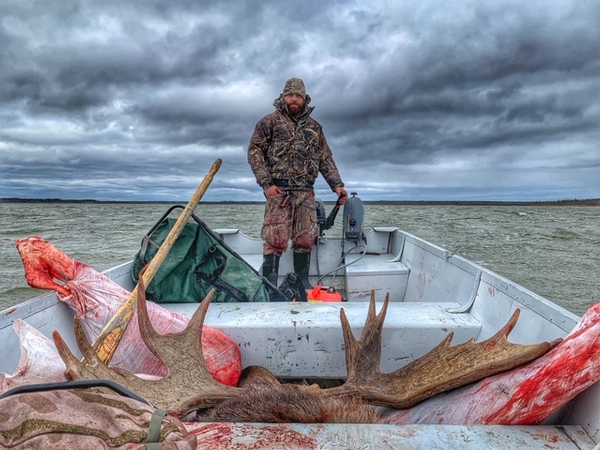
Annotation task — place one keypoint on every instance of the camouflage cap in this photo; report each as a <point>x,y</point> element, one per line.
<point>294,86</point>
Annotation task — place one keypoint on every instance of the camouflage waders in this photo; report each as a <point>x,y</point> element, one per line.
<point>296,220</point>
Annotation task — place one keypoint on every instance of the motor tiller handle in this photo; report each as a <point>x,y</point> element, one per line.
<point>332,215</point>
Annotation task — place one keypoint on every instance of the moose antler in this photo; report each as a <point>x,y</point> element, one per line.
<point>180,352</point>
<point>189,386</point>
<point>444,368</point>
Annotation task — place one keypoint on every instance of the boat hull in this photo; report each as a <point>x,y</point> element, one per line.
<point>432,292</point>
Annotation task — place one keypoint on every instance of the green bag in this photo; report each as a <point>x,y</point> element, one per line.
<point>198,262</point>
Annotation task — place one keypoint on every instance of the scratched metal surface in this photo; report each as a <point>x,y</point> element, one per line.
<point>371,437</point>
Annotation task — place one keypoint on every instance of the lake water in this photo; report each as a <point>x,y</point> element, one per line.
<point>551,250</point>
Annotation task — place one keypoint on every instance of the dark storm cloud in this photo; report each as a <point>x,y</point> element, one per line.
<point>461,100</point>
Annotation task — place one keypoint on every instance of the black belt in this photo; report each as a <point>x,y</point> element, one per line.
<point>292,185</point>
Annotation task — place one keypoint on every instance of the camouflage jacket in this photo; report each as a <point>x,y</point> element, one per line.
<point>291,148</point>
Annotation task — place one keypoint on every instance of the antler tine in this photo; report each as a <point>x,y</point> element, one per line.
<point>510,325</point>
<point>67,356</point>
<point>168,347</point>
<point>363,354</point>
<point>445,367</point>
<point>93,367</point>
<point>147,331</point>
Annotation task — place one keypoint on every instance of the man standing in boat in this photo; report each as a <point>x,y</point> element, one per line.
<point>286,153</point>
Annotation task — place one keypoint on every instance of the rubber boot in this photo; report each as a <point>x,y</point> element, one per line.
<point>270,268</point>
<point>302,267</point>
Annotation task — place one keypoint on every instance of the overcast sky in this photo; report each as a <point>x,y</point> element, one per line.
<point>423,100</point>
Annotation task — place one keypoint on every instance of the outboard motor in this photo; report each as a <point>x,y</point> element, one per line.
<point>353,231</point>
<point>353,218</point>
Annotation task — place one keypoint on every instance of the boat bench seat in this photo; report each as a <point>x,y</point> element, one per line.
<point>249,249</point>
<point>255,260</point>
<point>305,339</point>
<point>375,272</point>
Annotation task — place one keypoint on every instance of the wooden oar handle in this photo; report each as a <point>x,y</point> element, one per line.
<point>107,341</point>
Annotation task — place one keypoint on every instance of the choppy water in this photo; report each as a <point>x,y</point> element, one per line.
<point>552,250</point>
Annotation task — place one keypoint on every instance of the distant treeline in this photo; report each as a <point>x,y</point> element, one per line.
<point>571,202</point>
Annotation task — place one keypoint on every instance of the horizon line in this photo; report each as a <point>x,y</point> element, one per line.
<point>588,201</point>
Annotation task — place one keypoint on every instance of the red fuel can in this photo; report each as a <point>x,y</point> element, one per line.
<point>323,294</point>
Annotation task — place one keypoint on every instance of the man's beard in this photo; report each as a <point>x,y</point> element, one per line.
<point>294,109</point>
